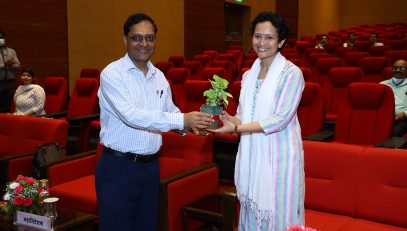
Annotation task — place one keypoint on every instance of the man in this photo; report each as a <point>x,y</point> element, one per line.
<point>323,42</point>
<point>135,107</point>
<point>373,40</point>
<point>351,40</point>
<point>399,86</point>
<point>9,64</point>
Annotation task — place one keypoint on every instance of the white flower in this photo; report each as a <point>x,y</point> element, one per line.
<point>14,185</point>
<point>6,197</point>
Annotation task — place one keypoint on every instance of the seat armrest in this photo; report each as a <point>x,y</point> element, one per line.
<point>229,211</point>
<point>393,142</point>
<point>181,193</point>
<point>81,119</point>
<point>321,136</point>
<point>56,114</point>
<point>70,168</point>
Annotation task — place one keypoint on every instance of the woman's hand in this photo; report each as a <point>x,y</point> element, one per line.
<point>228,125</point>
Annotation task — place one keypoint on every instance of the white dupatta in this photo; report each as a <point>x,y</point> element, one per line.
<point>254,171</point>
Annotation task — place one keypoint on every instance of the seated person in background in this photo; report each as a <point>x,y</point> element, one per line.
<point>351,40</point>
<point>322,42</point>
<point>399,86</point>
<point>29,98</point>
<point>373,40</point>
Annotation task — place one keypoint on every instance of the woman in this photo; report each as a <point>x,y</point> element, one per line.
<point>29,98</point>
<point>269,174</point>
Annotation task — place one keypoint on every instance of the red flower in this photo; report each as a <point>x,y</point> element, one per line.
<point>18,189</point>
<point>28,201</point>
<point>29,180</point>
<point>20,178</point>
<point>18,200</point>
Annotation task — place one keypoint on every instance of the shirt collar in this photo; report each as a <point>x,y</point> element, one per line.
<point>129,65</point>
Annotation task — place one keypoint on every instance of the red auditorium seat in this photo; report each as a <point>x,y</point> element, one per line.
<point>373,68</point>
<point>83,107</point>
<point>228,66</point>
<point>233,59</point>
<point>331,47</point>
<point>241,72</point>
<point>194,90</point>
<point>239,57</point>
<point>195,69</point>
<point>387,72</point>
<point>365,114</point>
<point>396,55</point>
<point>300,46</point>
<point>19,135</point>
<point>378,50</point>
<point>90,73</point>
<point>362,45</point>
<point>315,56</point>
<point>308,75</point>
<point>177,60</point>
<point>352,58</point>
<point>208,72</point>
<point>396,44</point>
<point>56,92</point>
<point>164,66</point>
<point>311,110</point>
<point>204,59</point>
<point>341,51</point>
<point>323,65</point>
<point>213,54</point>
<point>334,89</point>
<point>177,78</point>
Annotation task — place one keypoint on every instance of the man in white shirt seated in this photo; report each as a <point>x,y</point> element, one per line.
<point>399,86</point>
<point>373,40</point>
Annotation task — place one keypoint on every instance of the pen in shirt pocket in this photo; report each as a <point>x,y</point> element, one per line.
<point>159,93</point>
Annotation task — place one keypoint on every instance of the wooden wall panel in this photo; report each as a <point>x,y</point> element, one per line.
<point>203,26</point>
<point>37,31</point>
<point>289,9</point>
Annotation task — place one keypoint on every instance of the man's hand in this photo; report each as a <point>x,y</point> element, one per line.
<point>400,116</point>
<point>199,120</point>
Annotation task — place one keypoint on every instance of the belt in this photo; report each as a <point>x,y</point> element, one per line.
<point>133,156</point>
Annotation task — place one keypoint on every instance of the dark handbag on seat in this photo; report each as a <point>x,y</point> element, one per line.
<point>44,154</point>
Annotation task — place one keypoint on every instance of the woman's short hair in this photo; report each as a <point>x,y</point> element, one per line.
<point>29,71</point>
<point>278,22</point>
<point>135,19</point>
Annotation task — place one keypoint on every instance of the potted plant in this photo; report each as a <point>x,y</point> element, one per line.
<point>216,98</point>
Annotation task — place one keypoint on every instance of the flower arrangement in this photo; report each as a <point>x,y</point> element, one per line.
<point>300,228</point>
<point>217,96</point>
<point>21,195</point>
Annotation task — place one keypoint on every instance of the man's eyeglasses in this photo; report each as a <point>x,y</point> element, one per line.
<point>399,68</point>
<point>139,38</point>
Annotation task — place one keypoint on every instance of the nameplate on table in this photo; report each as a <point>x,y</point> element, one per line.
<point>32,220</point>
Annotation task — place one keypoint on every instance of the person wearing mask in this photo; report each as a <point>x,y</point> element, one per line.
<point>135,108</point>
<point>9,65</point>
<point>269,172</point>
<point>399,86</point>
<point>29,98</point>
<point>351,40</point>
